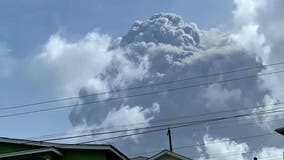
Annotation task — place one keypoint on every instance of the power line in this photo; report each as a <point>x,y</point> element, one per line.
<point>163,127</point>
<point>186,116</point>
<point>234,153</point>
<point>178,125</point>
<point>183,125</point>
<point>229,154</point>
<point>141,86</point>
<point>133,134</point>
<point>165,120</point>
<point>227,140</point>
<point>196,130</point>
<point>144,94</point>
<point>204,144</point>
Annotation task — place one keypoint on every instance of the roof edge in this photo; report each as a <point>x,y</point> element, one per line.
<point>30,151</point>
<point>165,151</point>
<point>64,146</point>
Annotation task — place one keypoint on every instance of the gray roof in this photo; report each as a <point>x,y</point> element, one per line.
<point>65,146</point>
<point>31,151</point>
<point>167,152</point>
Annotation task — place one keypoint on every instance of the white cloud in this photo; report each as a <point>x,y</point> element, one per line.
<point>162,47</point>
<point>226,149</point>
<point>73,65</point>
<point>218,97</point>
<point>220,148</point>
<point>88,66</point>
<point>127,116</point>
<point>174,49</point>
<point>253,42</point>
<point>268,121</point>
<point>126,70</point>
<point>269,153</point>
<point>123,118</point>
<point>260,25</point>
<point>249,35</point>
<point>246,11</point>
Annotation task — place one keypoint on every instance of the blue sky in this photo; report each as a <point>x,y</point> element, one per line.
<point>39,19</point>
<point>27,25</point>
<point>54,49</point>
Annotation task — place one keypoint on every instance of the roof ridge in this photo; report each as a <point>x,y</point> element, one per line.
<point>166,151</point>
<point>31,151</point>
<point>63,146</point>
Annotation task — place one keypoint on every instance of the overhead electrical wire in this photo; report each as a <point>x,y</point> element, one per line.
<point>233,156</point>
<point>236,152</point>
<point>190,146</point>
<point>133,134</point>
<point>165,126</point>
<point>157,92</point>
<point>179,118</point>
<point>227,154</point>
<point>141,86</point>
<point>172,89</point>
<point>41,138</point>
<point>228,140</point>
<point>178,125</point>
<point>143,94</point>
<point>230,154</point>
<point>216,142</point>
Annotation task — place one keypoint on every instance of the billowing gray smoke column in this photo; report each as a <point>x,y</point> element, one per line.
<point>165,48</point>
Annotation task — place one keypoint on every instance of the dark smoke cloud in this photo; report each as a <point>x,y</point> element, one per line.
<point>165,48</point>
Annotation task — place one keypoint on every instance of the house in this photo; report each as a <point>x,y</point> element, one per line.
<point>140,158</point>
<point>19,149</point>
<point>163,155</point>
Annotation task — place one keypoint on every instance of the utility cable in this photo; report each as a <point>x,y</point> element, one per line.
<point>165,126</point>
<point>138,95</point>
<point>141,86</point>
<point>181,117</point>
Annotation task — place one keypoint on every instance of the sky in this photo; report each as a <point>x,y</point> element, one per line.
<point>61,49</point>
